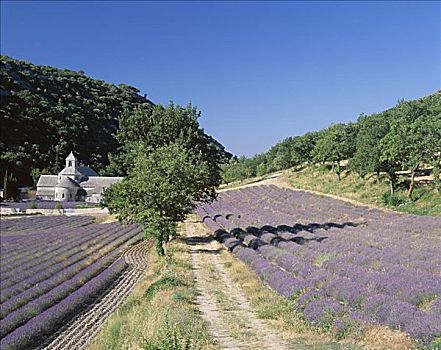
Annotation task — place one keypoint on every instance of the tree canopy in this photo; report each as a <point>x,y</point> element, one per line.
<point>170,164</point>
<point>401,138</point>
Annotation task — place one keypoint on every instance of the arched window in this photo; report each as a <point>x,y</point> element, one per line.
<point>70,163</point>
<point>62,195</point>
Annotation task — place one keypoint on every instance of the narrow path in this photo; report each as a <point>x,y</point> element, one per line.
<point>232,322</point>
<point>79,332</point>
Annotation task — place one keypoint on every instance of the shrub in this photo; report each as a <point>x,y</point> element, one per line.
<point>163,283</point>
<point>32,205</point>
<point>169,338</point>
<point>418,193</point>
<point>59,206</point>
<point>392,200</point>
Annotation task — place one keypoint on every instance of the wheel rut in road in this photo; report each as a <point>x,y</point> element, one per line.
<point>231,320</point>
<point>80,331</point>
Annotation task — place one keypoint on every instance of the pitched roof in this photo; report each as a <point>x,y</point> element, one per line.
<point>70,170</point>
<point>45,192</point>
<point>78,171</point>
<point>47,181</point>
<point>71,156</point>
<point>100,181</point>
<point>67,182</point>
<point>86,171</point>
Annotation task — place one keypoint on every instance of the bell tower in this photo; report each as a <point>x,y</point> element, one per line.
<point>71,161</point>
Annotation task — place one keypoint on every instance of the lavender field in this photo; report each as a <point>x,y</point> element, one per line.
<point>41,204</point>
<point>345,266</point>
<point>51,269</point>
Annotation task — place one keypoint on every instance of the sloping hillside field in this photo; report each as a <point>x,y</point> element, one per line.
<point>51,269</point>
<point>346,266</point>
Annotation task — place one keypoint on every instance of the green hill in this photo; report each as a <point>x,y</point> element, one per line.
<point>47,112</point>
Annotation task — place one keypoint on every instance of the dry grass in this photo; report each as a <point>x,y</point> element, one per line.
<point>160,309</point>
<point>103,218</point>
<point>367,191</point>
<point>384,338</point>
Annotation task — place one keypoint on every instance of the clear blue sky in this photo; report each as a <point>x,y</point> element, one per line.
<point>259,71</point>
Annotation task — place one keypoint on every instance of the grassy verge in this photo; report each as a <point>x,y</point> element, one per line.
<point>249,181</point>
<point>281,314</point>
<point>160,313</point>
<point>425,201</point>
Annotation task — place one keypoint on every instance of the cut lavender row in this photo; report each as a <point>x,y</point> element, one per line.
<point>43,325</point>
<point>45,272</point>
<point>344,255</point>
<point>72,276</point>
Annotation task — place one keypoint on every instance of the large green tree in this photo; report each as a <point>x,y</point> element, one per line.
<point>335,144</point>
<point>158,125</point>
<point>412,142</point>
<point>366,159</point>
<point>170,165</point>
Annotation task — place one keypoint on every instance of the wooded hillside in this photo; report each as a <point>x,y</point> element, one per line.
<point>406,137</point>
<point>47,112</point>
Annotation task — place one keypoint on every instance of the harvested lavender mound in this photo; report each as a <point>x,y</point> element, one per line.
<point>345,265</point>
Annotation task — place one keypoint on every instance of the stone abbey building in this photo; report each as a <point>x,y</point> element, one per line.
<point>74,183</point>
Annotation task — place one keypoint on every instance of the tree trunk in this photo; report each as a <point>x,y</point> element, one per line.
<point>412,182</point>
<point>392,182</point>
<point>378,176</point>
<point>436,175</point>
<point>337,171</point>
<point>159,247</point>
<point>5,185</point>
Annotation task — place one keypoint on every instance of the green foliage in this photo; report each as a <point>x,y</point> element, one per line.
<point>404,137</point>
<point>171,164</point>
<point>366,158</point>
<point>237,169</point>
<point>261,169</point>
<point>414,137</point>
<point>161,125</point>
<point>163,283</point>
<point>290,152</point>
<point>32,205</point>
<point>47,112</point>
<point>10,187</point>
<point>35,174</point>
<point>59,206</point>
<point>437,175</point>
<point>391,199</point>
<point>335,144</point>
<point>169,338</point>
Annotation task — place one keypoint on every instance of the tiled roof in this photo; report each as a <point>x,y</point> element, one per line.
<point>67,182</point>
<point>45,192</point>
<point>78,171</point>
<point>47,181</point>
<point>100,181</point>
<point>70,170</point>
<point>86,171</point>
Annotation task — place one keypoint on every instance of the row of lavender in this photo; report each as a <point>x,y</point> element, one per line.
<point>12,227</point>
<point>346,265</point>
<point>42,204</point>
<point>51,268</point>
